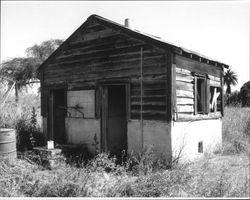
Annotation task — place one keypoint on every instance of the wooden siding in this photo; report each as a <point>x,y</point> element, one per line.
<point>185,87</point>
<point>101,53</point>
<point>184,91</point>
<point>196,66</point>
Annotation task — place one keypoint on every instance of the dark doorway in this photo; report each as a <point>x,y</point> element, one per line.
<point>115,119</point>
<point>59,115</point>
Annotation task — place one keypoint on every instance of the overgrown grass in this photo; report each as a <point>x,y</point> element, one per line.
<point>24,117</point>
<point>224,176</point>
<point>142,175</point>
<point>13,111</point>
<point>236,130</point>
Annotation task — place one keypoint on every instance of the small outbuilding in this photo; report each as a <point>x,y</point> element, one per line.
<point>114,88</point>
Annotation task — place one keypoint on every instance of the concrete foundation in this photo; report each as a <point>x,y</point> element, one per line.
<point>171,140</point>
<point>82,131</point>
<point>155,133</point>
<point>186,136</point>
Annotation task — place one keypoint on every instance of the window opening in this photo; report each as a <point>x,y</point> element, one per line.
<point>201,95</point>
<point>200,147</point>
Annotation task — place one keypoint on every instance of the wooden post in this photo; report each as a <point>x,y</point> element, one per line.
<point>222,92</point>
<point>141,99</point>
<point>128,109</point>
<point>170,86</point>
<point>51,115</point>
<point>207,96</point>
<point>195,95</point>
<point>173,104</point>
<point>104,115</point>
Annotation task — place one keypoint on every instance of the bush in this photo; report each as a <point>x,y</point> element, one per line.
<point>29,134</point>
<point>245,94</point>
<point>233,99</point>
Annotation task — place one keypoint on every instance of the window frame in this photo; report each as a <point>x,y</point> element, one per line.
<point>204,94</point>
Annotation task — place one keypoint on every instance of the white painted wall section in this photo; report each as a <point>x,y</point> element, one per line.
<point>82,131</point>
<point>187,135</point>
<point>155,133</point>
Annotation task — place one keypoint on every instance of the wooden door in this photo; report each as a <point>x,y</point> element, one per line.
<point>59,115</point>
<point>114,117</point>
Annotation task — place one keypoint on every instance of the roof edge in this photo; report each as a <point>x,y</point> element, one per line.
<point>149,38</point>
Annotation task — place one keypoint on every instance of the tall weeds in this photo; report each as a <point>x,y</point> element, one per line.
<point>236,130</point>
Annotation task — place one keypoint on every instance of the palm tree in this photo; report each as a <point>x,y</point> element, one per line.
<point>230,78</point>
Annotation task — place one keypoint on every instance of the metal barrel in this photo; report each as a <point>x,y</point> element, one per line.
<point>7,143</point>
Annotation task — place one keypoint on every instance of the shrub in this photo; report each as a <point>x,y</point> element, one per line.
<point>28,133</point>
<point>146,162</point>
<point>233,99</point>
<point>103,162</point>
<point>245,94</point>
<point>76,156</point>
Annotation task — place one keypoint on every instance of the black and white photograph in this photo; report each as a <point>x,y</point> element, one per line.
<point>125,99</point>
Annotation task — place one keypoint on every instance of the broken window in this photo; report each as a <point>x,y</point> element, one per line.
<point>201,95</point>
<point>215,99</point>
<point>207,94</point>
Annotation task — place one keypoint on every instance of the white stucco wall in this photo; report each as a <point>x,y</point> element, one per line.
<point>82,131</point>
<point>187,135</point>
<point>155,133</point>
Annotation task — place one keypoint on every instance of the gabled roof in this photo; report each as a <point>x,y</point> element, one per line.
<point>138,35</point>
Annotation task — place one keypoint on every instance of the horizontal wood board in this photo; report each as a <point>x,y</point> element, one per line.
<point>185,85</point>
<point>101,53</point>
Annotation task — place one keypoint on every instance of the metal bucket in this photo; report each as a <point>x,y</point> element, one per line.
<point>7,143</point>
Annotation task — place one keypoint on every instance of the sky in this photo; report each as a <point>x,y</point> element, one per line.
<point>219,30</point>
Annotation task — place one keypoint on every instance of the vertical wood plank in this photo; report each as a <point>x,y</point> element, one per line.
<point>207,96</point>
<point>104,109</point>
<point>173,100</point>
<point>97,103</point>
<point>195,95</point>
<point>169,108</point>
<point>128,101</point>
<point>215,104</point>
<point>51,115</point>
<point>65,101</point>
<point>222,93</point>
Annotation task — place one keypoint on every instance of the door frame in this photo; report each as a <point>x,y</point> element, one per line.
<point>51,112</point>
<point>104,107</point>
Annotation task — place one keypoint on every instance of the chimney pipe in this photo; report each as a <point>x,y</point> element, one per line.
<point>128,23</point>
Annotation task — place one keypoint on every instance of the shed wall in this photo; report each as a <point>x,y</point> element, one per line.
<point>102,53</point>
<point>185,87</point>
<point>185,137</point>
<point>155,133</point>
<point>82,131</point>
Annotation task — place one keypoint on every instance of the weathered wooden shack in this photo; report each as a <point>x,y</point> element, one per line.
<point>115,88</point>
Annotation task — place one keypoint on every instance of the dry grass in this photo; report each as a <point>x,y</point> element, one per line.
<point>221,175</point>
<point>236,130</point>
<point>12,112</point>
